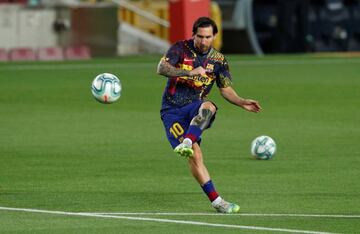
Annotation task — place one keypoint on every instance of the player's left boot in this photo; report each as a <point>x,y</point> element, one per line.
<point>185,149</point>
<point>227,207</point>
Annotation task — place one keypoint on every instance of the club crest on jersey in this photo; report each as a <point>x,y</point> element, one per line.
<point>209,67</point>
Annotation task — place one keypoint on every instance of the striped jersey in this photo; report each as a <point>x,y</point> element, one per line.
<point>182,90</point>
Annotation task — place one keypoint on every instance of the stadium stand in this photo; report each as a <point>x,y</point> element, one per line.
<point>23,54</point>
<point>14,1</point>
<point>334,18</point>
<point>160,8</point>
<point>3,55</point>
<point>77,53</point>
<point>51,54</point>
<point>354,43</point>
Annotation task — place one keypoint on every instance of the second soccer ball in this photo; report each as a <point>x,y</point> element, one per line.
<point>106,88</point>
<point>263,147</point>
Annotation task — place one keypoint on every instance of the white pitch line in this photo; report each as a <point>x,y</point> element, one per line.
<point>162,220</point>
<point>239,214</point>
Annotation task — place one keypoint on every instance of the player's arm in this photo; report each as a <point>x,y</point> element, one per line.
<point>231,96</point>
<point>225,85</point>
<point>166,69</point>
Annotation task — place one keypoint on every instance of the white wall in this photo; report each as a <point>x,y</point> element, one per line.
<point>26,27</point>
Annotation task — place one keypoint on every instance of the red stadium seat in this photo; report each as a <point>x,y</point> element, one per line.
<point>22,54</point>
<point>4,55</point>
<point>77,53</point>
<point>51,54</point>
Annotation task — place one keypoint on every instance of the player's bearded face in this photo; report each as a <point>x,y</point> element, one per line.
<point>204,38</point>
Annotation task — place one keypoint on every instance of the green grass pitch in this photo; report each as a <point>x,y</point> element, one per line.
<point>60,150</point>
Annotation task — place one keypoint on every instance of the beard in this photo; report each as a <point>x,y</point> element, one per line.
<point>203,48</point>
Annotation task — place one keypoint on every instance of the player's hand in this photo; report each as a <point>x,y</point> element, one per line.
<point>251,105</point>
<point>199,71</point>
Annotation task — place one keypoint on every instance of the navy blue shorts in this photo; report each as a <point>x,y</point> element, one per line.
<point>177,120</point>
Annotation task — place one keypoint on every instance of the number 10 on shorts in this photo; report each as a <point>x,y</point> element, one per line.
<point>176,130</point>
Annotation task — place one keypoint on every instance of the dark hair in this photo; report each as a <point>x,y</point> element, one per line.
<point>204,22</point>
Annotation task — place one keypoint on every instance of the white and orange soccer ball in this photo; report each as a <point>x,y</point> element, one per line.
<point>106,88</point>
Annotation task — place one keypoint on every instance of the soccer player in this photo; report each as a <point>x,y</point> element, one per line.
<point>192,67</point>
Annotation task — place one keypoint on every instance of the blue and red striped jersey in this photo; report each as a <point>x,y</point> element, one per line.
<point>183,90</point>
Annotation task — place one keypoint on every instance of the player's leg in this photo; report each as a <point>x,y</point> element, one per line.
<point>201,121</point>
<point>175,124</point>
<point>205,113</point>
<point>201,174</point>
<point>197,166</point>
<point>203,118</point>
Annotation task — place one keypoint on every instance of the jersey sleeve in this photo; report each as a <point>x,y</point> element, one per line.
<point>224,77</point>
<point>173,55</point>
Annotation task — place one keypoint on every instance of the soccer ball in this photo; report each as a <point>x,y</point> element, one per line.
<point>106,88</point>
<point>263,147</point>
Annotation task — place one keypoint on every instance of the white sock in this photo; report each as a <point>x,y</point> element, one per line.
<point>216,201</point>
<point>187,141</point>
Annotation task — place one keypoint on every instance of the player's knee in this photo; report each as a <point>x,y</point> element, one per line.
<point>203,118</point>
<point>206,114</point>
<point>199,119</point>
<point>210,106</point>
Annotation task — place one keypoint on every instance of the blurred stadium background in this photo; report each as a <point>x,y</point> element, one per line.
<point>74,29</point>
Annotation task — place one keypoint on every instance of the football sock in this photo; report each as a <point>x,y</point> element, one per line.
<point>193,133</point>
<point>210,191</point>
<point>187,142</point>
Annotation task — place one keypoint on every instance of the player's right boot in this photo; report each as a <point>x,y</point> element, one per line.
<point>227,207</point>
<point>184,149</point>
